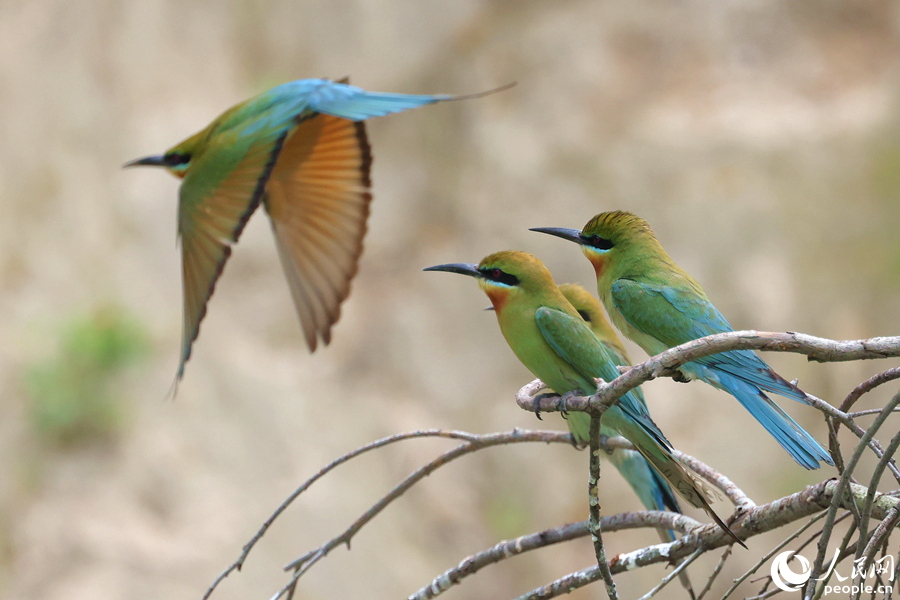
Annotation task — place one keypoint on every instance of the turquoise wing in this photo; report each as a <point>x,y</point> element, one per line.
<point>677,315</point>
<point>576,344</point>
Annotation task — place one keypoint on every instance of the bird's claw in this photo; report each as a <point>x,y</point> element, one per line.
<point>562,404</point>
<point>680,377</point>
<point>536,403</point>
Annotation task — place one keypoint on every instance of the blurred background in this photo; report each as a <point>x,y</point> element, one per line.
<point>760,139</point>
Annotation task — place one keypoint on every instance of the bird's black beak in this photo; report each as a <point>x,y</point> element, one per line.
<point>573,235</point>
<point>147,161</point>
<point>469,269</point>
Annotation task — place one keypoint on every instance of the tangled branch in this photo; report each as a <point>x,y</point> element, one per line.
<point>820,502</point>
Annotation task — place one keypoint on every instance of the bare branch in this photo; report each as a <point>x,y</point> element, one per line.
<point>594,506</point>
<point>715,573</point>
<point>770,554</point>
<point>675,572</point>
<point>843,485</point>
<point>507,549</point>
<point>868,551</point>
<point>663,364</point>
<point>564,585</point>
<point>760,519</point>
<point>868,385</point>
<point>473,443</point>
<point>425,433</point>
<point>666,363</point>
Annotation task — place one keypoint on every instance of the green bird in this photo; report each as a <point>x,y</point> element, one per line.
<point>551,339</point>
<point>652,490</point>
<point>299,149</point>
<point>656,304</point>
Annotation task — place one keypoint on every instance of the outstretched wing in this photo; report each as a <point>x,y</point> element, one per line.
<point>215,201</point>
<point>318,200</point>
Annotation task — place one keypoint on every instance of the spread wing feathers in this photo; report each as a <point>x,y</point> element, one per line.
<point>318,200</point>
<point>675,316</point>
<point>571,339</point>
<point>209,223</point>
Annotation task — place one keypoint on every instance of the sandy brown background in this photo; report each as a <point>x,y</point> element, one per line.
<point>761,140</point>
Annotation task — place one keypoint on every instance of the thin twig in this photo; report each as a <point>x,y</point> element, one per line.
<point>870,497</point>
<point>816,535</point>
<point>735,583</point>
<point>844,551</point>
<point>768,594</point>
<point>868,385</point>
<point>473,443</point>
<point>880,534</point>
<point>715,572</point>
<point>867,412</point>
<point>665,580</point>
<point>425,433</point>
<point>843,485</point>
<point>594,506</point>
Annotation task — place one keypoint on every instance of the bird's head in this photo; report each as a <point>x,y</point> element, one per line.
<point>177,159</point>
<point>591,311</point>
<point>608,238</point>
<point>505,276</point>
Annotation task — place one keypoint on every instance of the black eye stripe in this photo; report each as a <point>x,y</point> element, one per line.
<point>175,159</point>
<point>499,276</point>
<point>585,315</point>
<point>595,241</point>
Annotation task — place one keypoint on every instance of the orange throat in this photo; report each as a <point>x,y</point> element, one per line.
<point>599,262</point>
<point>498,297</point>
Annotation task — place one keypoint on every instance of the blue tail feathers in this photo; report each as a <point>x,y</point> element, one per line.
<point>793,438</point>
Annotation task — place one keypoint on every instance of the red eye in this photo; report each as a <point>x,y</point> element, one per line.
<point>495,273</point>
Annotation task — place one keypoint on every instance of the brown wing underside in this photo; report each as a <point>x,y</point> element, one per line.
<point>317,197</point>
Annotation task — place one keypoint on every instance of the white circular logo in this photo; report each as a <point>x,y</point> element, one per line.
<point>784,577</point>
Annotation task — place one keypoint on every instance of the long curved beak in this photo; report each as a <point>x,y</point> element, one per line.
<point>573,235</point>
<point>469,269</point>
<point>147,161</point>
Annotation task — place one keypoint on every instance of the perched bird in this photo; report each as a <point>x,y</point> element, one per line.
<point>551,339</point>
<point>652,490</point>
<point>656,304</point>
<point>301,150</point>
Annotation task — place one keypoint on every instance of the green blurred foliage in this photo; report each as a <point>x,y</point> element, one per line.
<point>72,397</point>
<point>507,516</point>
